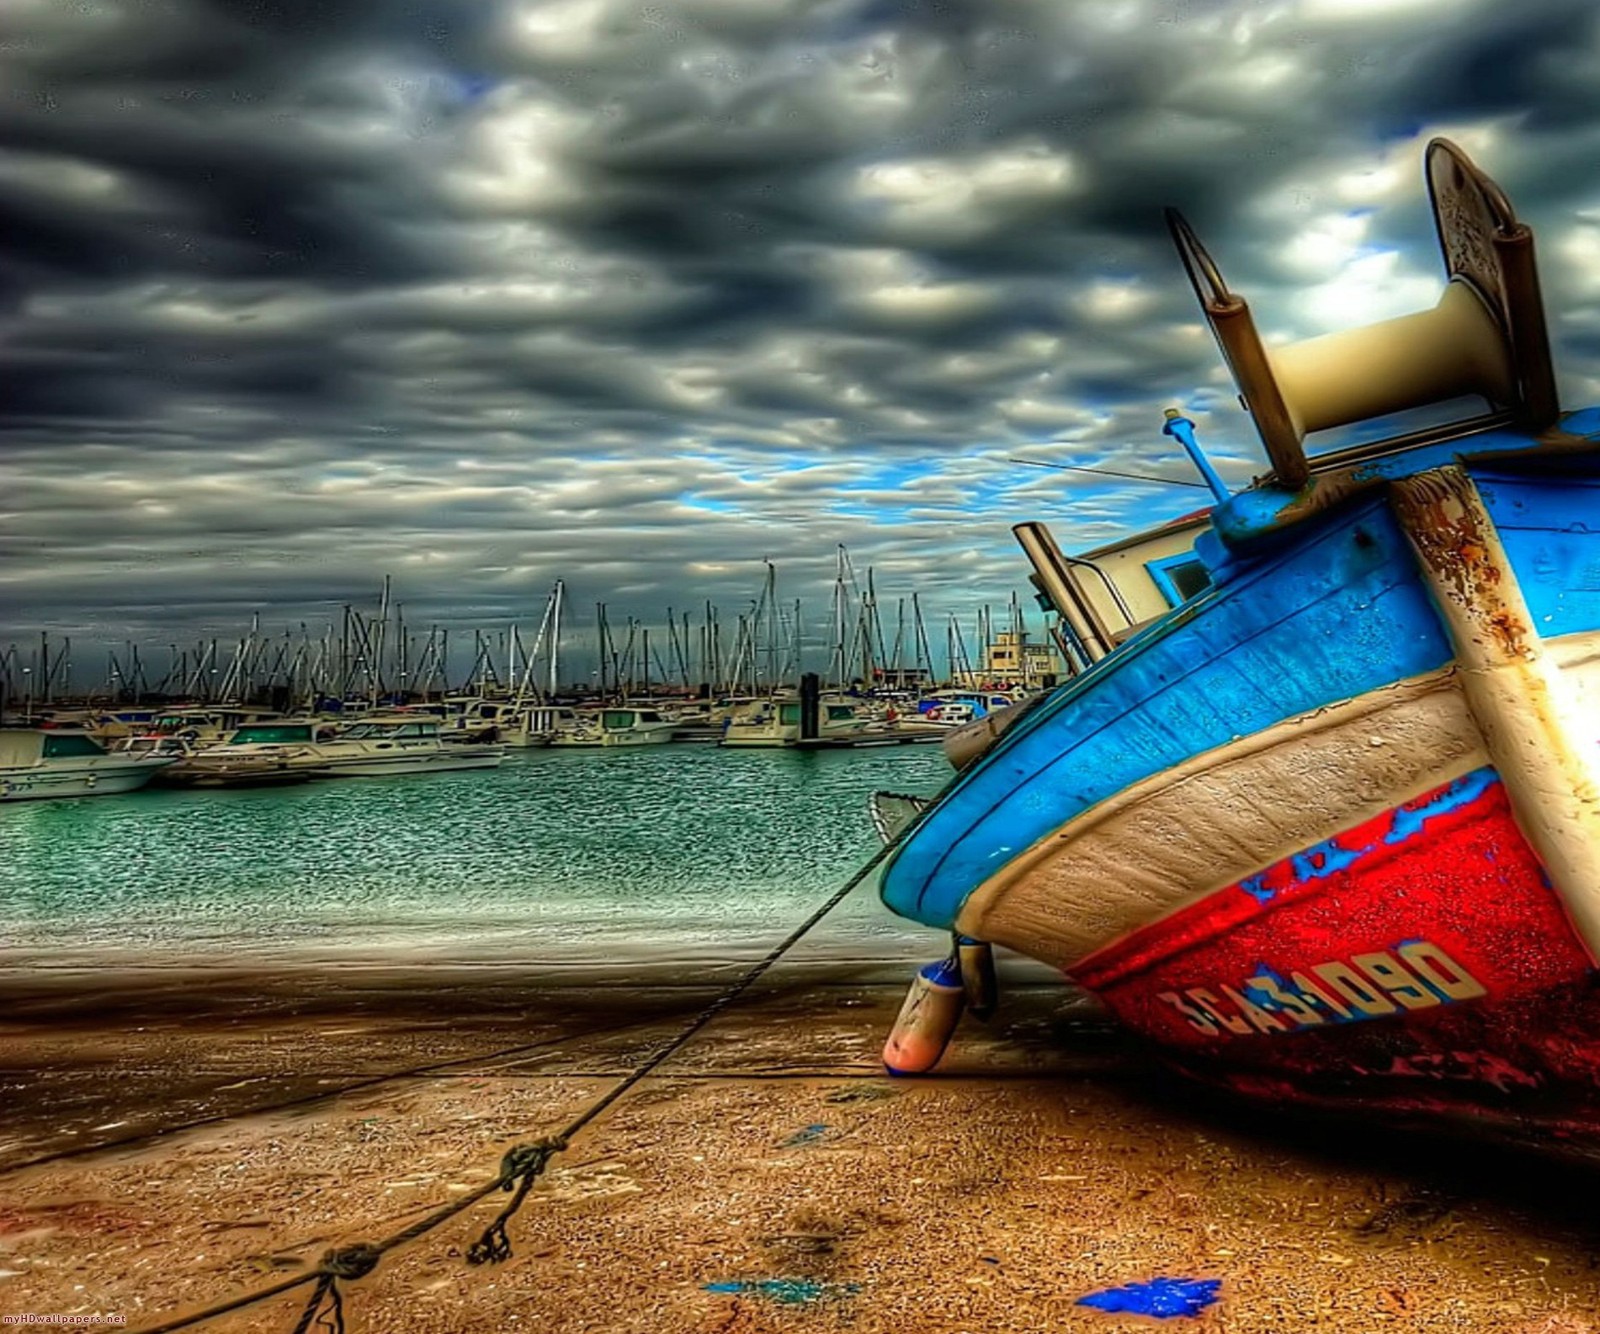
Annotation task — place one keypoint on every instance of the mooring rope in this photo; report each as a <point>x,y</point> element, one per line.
<point>519,1168</point>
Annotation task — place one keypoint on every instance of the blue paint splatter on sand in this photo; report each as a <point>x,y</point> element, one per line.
<point>1160,1297</point>
<point>788,1291</point>
<point>810,1135</point>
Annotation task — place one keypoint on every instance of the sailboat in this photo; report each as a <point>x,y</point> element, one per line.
<point>1329,832</point>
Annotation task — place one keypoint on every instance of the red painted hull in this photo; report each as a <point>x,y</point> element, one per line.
<point>1418,965</point>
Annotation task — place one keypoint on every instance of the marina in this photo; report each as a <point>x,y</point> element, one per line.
<point>800,669</point>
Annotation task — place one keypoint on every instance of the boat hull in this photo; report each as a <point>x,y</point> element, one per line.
<point>1418,964</point>
<point>1328,834</point>
<point>444,760</point>
<point>656,736</point>
<point>98,779</point>
<point>186,774</point>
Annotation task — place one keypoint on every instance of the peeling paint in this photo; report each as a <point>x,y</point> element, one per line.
<point>1410,819</point>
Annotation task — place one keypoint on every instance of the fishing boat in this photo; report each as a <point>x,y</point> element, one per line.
<point>1329,831</point>
<point>38,763</point>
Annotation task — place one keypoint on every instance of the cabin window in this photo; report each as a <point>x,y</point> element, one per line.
<point>789,715</point>
<point>269,736</point>
<point>1179,577</point>
<point>64,745</point>
<point>616,720</point>
<point>839,712</point>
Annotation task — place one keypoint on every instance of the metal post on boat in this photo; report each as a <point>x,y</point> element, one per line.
<point>1057,583</point>
<point>1181,429</point>
<point>1530,723</point>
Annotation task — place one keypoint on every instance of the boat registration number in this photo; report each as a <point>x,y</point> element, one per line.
<point>1414,976</point>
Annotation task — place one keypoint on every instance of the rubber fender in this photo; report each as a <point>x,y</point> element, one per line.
<point>927,1019</point>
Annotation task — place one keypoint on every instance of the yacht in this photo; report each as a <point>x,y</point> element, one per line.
<point>36,764</point>
<point>771,724</point>
<point>616,727</point>
<point>373,747</point>
<point>221,768</point>
<point>537,725</point>
<point>402,744</point>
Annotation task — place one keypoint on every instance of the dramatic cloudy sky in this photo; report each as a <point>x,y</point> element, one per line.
<point>296,293</point>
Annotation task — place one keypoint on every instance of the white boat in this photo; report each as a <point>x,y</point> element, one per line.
<point>772,724</point>
<point>617,727</point>
<point>289,747</point>
<point>38,764</point>
<point>402,744</point>
<point>206,726</point>
<point>199,764</point>
<point>374,747</point>
<point>537,725</point>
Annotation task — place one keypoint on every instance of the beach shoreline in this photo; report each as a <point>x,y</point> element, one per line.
<point>197,1134</point>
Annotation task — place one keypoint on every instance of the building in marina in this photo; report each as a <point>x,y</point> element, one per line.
<point>1009,659</point>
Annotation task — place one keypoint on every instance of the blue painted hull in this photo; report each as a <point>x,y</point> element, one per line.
<point>1304,615</point>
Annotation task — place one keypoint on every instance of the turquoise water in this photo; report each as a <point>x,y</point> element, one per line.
<point>559,854</point>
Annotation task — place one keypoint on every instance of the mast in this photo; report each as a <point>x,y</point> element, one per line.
<point>919,630</point>
<point>555,634</point>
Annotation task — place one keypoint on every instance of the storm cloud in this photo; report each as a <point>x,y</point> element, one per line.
<point>636,295</point>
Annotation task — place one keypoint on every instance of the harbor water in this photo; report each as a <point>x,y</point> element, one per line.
<point>581,856</point>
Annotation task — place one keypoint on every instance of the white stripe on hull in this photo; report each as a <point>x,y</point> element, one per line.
<point>1224,815</point>
<point>42,784</point>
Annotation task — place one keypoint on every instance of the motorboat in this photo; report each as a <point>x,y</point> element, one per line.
<point>221,767</point>
<point>615,727</point>
<point>378,746</point>
<point>537,725</point>
<point>1328,832</point>
<point>39,763</point>
<point>775,723</point>
<point>381,745</point>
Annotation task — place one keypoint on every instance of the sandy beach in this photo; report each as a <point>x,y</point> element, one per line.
<point>171,1138</point>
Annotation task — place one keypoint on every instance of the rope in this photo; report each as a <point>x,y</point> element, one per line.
<point>521,1166</point>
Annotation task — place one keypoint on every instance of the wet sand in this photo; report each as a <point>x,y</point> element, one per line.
<point>171,1138</point>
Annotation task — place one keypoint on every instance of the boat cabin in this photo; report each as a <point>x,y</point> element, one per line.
<point>299,732</point>
<point>24,747</point>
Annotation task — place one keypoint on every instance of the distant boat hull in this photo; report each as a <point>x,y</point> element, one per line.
<point>442,760</point>
<point>99,778</point>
